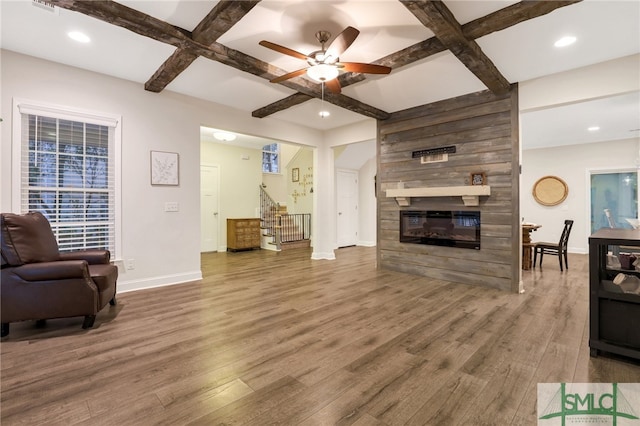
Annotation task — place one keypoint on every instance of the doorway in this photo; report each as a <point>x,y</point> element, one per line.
<point>209,217</point>
<point>616,192</point>
<point>347,206</point>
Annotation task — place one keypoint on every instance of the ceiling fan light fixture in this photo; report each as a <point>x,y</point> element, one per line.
<point>322,72</point>
<point>224,136</point>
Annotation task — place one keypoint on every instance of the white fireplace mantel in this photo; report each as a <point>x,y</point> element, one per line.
<point>470,194</point>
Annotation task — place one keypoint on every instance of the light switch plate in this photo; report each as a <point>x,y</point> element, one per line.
<point>171,206</point>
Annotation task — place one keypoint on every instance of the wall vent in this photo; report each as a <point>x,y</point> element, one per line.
<point>434,158</point>
<point>45,5</point>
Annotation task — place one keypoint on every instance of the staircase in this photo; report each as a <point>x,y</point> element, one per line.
<point>280,229</point>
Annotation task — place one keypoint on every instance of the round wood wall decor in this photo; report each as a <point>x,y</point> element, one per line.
<point>550,190</point>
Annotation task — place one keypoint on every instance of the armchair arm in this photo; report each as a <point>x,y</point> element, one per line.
<point>93,257</point>
<point>47,271</point>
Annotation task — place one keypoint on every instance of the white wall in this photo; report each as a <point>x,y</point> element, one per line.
<point>572,164</point>
<point>299,195</point>
<point>240,177</point>
<point>367,214</point>
<point>165,246</point>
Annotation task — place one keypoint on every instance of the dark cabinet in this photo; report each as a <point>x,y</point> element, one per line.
<point>614,310</point>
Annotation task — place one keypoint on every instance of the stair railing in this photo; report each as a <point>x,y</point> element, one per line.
<point>285,227</point>
<point>270,217</point>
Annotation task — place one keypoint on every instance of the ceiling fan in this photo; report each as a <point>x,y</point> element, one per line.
<point>324,64</point>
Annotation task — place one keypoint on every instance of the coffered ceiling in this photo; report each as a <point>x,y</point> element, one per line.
<point>437,50</point>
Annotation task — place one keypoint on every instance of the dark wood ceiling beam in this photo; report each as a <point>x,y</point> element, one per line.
<point>179,60</point>
<point>220,20</point>
<point>282,104</point>
<point>497,21</point>
<point>148,26</point>
<point>439,19</point>
<point>511,15</point>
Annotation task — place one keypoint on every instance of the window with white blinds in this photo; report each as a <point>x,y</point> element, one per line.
<point>67,172</point>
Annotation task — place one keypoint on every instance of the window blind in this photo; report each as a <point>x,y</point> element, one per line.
<point>68,174</point>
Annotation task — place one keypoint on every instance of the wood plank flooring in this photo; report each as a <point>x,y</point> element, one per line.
<point>277,338</point>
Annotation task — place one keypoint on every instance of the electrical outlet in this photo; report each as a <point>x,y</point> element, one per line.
<point>131,264</point>
<point>171,206</point>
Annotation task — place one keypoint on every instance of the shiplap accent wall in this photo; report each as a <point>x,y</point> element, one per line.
<point>484,129</point>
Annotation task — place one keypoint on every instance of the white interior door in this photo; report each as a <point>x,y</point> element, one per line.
<point>209,222</point>
<point>347,203</point>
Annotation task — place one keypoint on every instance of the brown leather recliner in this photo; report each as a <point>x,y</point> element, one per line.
<point>38,282</point>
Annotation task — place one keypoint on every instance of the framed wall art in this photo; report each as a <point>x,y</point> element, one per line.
<point>165,168</point>
<point>478,178</point>
<point>295,174</point>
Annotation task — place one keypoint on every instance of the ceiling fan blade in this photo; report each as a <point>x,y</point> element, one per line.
<point>288,75</point>
<point>343,41</point>
<point>333,86</point>
<point>364,68</point>
<point>283,49</point>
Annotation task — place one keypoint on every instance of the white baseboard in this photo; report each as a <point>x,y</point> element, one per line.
<point>133,285</point>
<point>577,250</point>
<point>366,243</point>
<point>320,256</point>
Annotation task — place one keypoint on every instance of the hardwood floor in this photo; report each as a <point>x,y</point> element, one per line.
<point>277,338</point>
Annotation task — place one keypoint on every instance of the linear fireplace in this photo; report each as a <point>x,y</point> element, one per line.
<point>453,228</point>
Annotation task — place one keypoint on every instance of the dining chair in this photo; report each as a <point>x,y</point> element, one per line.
<point>556,249</point>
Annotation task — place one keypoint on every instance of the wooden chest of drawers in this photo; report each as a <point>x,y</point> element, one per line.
<point>243,234</point>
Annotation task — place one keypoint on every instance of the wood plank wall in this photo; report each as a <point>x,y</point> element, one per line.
<point>484,129</point>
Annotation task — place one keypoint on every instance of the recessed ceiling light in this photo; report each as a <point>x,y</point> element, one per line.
<point>565,41</point>
<point>224,136</point>
<point>324,114</point>
<point>78,36</point>
<point>593,128</point>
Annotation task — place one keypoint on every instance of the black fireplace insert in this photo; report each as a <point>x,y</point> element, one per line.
<point>453,228</point>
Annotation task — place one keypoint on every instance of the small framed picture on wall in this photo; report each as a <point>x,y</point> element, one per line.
<point>295,175</point>
<point>165,168</point>
<point>478,178</point>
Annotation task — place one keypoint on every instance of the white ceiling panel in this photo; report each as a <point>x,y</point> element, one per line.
<point>112,50</point>
<point>603,32</point>
<point>224,85</point>
<point>307,114</point>
<point>426,81</point>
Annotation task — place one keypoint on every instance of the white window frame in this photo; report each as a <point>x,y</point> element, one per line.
<point>25,106</point>
<point>279,152</point>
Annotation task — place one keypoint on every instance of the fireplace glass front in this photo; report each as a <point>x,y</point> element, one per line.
<point>453,228</point>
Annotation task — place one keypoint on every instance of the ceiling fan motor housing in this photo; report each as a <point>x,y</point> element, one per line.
<point>323,37</point>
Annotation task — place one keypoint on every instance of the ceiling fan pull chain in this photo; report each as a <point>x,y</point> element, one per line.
<point>323,112</point>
